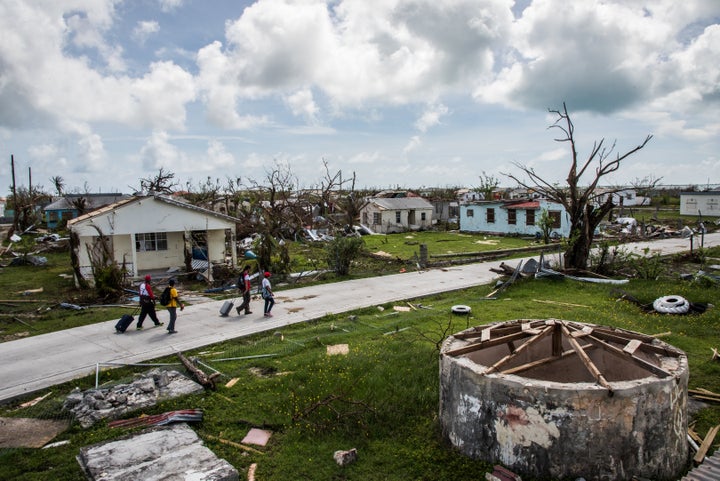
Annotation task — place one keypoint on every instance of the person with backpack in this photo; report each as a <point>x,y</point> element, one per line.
<point>147,304</point>
<point>267,294</point>
<point>243,285</point>
<point>172,301</point>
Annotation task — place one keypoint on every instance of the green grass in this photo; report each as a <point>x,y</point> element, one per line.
<point>382,398</point>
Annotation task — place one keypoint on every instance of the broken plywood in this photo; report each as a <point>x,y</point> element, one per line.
<point>29,432</point>
<point>259,437</point>
<point>338,349</point>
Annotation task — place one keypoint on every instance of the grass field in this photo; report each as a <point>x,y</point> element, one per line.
<point>381,398</point>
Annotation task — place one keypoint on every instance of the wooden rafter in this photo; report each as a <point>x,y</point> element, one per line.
<point>594,371</point>
<point>532,341</point>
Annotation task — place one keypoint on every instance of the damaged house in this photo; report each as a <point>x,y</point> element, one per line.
<point>700,203</point>
<point>386,215</point>
<point>518,217</point>
<point>153,233</point>
<point>70,206</point>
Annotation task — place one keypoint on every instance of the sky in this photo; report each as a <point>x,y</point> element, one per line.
<point>400,93</point>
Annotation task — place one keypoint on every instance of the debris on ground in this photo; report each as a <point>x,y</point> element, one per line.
<point>338,349</point>
<point>29,432</point>
<point>343,458</point>
<point>502,474</point>
<point>168,452</point>
<point>258,437</point>
<point>672,304</point>
<point>182,415</point>
<point>92,405</point>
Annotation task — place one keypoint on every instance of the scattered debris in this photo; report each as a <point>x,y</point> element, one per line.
<point>502,474</point>
<point>665,304</point>
<point>251,472</point>
<point>234,444</point>
<point>704,395</point>
<point>558,303</point>
<point>34,401</point>
<point>183,415</point>
<point>343,458</point>
<point>258,437</point>
<point>67,305</point>
<point>168,452</point>
<point>707,442</point>
<point>29,432</point>
<point>232,382</point>
<point>338,349</point>
<point>93,405</point>
<point>27,292</point>
<point>57,444</point>
<point>205,380</point>
<point>401,308</point>
<point>671,305</point>
<point>545,272</point>
<point>460,309</point>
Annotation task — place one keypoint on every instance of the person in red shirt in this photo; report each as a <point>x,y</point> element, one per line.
<point>147,304</point>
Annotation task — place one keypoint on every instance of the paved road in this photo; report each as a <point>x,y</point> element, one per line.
<point>38,362</point>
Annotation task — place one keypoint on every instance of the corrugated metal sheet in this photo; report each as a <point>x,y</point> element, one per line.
<point>709,470</point>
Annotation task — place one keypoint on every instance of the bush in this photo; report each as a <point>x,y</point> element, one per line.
<point>341,251</point>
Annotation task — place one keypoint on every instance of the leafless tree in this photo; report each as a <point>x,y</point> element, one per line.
<point>579,200</point>
<point>162,183</point>
<point>339,193</point>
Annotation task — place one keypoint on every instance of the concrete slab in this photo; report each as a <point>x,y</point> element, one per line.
<point>75,353</point>
<point>175,452</point>
<point>29,432</point>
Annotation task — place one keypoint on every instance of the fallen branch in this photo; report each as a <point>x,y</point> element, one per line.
<point>205,380</point>
<point>234,444</point>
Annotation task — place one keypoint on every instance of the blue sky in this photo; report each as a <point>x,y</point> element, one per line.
<point>404,93</point>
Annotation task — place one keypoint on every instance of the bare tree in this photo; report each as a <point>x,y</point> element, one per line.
<point>162,183</point>
<point>338,192</point>
<point>579,200</point>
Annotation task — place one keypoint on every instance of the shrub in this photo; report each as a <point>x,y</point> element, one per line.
<point>341,252</point>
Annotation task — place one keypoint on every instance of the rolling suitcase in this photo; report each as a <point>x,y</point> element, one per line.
<point>124,323</point>
<point>226,308</point>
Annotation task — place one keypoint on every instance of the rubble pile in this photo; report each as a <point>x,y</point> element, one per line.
<point>92,405</point>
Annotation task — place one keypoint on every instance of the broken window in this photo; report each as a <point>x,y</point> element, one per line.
<point>470,213</point>
<point>376,218</point>
<point>490,216</point>
<point>152,241</point>
<point>512,216</point>
<point>529,217</point>
<point>398,216</point>
<point>555,218</point>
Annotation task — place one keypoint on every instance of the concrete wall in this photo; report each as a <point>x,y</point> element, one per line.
<point>563,430</point>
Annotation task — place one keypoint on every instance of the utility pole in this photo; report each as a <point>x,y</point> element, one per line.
<point>16,214</point>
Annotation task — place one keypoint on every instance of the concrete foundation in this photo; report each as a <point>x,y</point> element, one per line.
<point>520,394</point>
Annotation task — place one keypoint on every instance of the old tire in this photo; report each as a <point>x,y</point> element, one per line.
<point>460,309</point>
<point>671,305</point>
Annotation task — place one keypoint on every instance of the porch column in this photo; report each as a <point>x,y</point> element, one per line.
<point>133,250</point>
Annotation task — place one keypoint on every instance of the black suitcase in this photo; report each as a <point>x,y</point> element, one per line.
<point>124,323</point>
<point>226,308</point>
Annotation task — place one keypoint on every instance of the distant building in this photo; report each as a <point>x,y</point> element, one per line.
<point>520,217</point>
<point>71,206</point>
<point>700,203</point>
<point>386,215</point>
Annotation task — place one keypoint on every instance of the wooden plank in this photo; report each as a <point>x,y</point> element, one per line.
<point>485,334</point>
<point>632,346</point>
<point>585,331</point>
<point>707,442</point>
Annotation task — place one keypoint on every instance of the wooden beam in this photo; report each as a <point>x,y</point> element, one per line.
<point>594,371</point>
<point>648,366</point>
<point>522,348</point>
<point>483,345</point>
<point>707,442</point>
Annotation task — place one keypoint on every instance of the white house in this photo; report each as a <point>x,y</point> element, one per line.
<point>700,203</point>
<point>519,217</point>
<point>154,232</point>
<point>622,197</point>
<point>385,215</point>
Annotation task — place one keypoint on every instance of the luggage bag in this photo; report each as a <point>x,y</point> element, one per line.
<point>226,307</point>
<point>124,323</point>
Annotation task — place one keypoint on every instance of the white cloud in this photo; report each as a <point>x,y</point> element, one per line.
<point>302,104</point>
<point>170,5</point>
<point>158,153</point>
<point>144,29</point>
<point>413,144</point>
<point>431,117</point>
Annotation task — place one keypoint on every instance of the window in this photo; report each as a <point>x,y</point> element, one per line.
<point>376,218</point>
<point>512,216</point>
<point>470,213</point>
<point>53,216</point>
<point>490,216</point>
<point>529,217</point>
<point>555,218</point>
<point>398,217</point>
<point>422,216</point>
<point>153,241</point>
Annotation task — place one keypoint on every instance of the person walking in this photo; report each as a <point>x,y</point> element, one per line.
<point>172,306</point>
<point>147,304</point>
<point>243,285</point>
<point>267,294</point>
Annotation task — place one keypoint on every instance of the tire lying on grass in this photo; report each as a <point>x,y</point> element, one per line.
<point>671,305</point>
<point>460,309</point>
